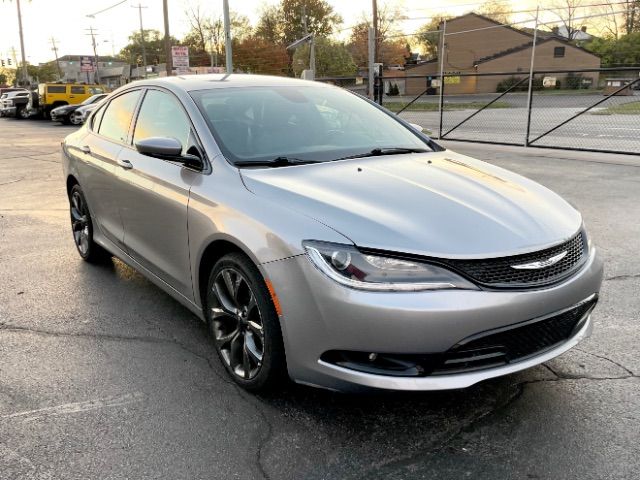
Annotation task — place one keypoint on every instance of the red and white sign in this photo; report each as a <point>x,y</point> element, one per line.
<point>87,64</point>
<point>180,56</point>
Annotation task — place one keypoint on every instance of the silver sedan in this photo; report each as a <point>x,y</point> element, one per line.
<point>326,240</point>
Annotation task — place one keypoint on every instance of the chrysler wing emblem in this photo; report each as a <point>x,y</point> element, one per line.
<point>541,263</point>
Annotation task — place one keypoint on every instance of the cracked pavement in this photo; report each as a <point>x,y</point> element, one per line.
<point>103,376</point>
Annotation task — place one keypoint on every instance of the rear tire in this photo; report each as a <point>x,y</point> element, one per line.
<point>82,228</point>
<point>244,324</point>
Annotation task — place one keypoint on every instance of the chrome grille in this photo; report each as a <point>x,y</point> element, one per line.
<point>499,272</point>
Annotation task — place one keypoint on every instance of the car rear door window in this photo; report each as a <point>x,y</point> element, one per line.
<point>117,116</point>
<point>77,90</point>
<point>161,115</point>
<point>57,89</point>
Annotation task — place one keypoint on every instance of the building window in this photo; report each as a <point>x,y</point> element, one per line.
<point>558,52</point>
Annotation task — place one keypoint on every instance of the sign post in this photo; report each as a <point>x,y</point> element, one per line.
<point>180,59</point>
<point>87,64</point>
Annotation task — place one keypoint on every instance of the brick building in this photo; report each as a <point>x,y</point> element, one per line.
<point>488,50</point>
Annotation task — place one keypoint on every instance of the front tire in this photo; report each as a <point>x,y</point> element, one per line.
<point>244,324</point>
<point>82,228</point>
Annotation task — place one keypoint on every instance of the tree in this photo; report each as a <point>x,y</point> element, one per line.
<point>270,24</point>
<point>3,79</point>
<point>333,59</point>
<point>632,16</point>
<point>256,55</point>
<point>154,46</point>
<point>391,45</point>
<point>496,11</point>
<point>567,12</point>
<point>46,72</point>
<point>206,37</point>
<point>623,51</point>
<point>320,19</point>
<point>428,36</point>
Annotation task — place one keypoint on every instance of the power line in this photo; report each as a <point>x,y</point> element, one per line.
<point>105,9</point>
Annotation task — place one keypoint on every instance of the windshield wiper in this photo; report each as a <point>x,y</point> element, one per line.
<point>274,162</point>
<point>377,152</point>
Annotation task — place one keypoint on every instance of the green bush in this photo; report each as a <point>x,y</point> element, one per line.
<point>393,90</point>
<point>574,81</point>
<point>507,83</point>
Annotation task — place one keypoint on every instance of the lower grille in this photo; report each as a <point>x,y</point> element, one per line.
<point>486,350</point>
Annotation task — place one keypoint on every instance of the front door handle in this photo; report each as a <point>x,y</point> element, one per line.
<point>85,149</point>
<point>126,164</point>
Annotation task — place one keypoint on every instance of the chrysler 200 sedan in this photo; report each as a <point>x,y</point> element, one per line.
<point>325,239</point>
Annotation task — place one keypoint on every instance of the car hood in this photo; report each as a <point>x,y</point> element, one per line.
<point>65,109</point>
<point>439,204</point>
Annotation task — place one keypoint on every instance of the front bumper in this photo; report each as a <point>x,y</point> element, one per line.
<point>58,117</point>
<point>8,111</point>
<point>319,315</point>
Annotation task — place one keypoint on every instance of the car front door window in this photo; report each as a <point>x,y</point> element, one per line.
<point>117,116</point>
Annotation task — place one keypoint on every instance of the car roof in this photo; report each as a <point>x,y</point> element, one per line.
<point>210,81</point>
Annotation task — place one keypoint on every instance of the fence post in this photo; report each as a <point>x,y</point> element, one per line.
<point>530,92</point>
<point>441,55</point>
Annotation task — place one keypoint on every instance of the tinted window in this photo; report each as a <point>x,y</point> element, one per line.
<point>117,117</point>
<point>95,120</point>
<point>77,89</point>
<point>558,52</point>
<point>56,89</point>
<point>161,115</point>
<point>305,122</point>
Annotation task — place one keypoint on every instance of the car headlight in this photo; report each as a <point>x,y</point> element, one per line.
<point>348,266</point>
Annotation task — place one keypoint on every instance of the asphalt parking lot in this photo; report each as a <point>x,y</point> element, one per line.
<point>103,376</point>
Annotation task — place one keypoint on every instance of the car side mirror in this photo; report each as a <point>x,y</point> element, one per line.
<point>168,148</point>
<point>161,147</point>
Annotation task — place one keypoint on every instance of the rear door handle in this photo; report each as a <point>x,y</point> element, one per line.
<point>126,164</point>
<point>86,149</point>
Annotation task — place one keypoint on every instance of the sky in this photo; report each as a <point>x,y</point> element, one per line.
<point>66,20</point>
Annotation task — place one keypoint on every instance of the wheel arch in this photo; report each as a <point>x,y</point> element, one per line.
<point>215,250</point>
<point>71,182</point>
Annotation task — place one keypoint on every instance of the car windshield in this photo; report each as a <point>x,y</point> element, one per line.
<point>302,123</point>
<point>92,99</point>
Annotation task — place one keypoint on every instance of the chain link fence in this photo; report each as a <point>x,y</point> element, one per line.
<point>590,109</point>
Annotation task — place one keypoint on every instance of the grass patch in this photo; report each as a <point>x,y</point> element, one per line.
<point>631,108</point>
<point>433,107</point>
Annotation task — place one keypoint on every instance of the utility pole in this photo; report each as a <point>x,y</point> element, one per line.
<point>312,42</point>
<point>144,48</point>
<point>25,73</point>
<point>55,51</point>
<point>374,7</point>
<point>167,39</point>
<point>372,41</point>
<point>92,32</point>
<point>227,36</point>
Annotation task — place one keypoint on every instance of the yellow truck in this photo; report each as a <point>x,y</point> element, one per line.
<point>53,95</point>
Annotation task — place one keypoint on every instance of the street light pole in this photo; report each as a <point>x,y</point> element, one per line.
<point>25,74</point>
<point>167,39</point>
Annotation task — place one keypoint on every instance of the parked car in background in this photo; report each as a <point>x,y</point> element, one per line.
<point>322,237</point>
<point>80,115</point>
<point>53,95</point>
<point>11,101</point>
<point>65,115</point>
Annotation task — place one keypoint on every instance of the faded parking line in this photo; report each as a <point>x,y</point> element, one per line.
<point>77,407</point>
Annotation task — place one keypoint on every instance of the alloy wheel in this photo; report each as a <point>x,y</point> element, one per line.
<point>80,222</point>
<point>237,323</point>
